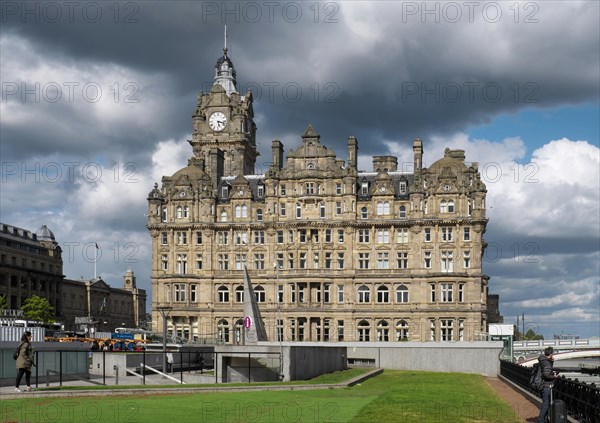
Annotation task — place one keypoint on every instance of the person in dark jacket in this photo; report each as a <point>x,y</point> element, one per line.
<point>546,361</point>
<point>24,361</point>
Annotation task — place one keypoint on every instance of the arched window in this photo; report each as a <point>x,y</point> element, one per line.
<point>259,215</point>
<point>223,216</point>
<point>259,292</point>
<point>443,206</point>
<point>239,294</point>
<point>450,206</point>
<point>379,208</point>
<point>239,327</point>
<point>386,208</point>
<point>223,294</point>
<point>402,331</point>
<point>179,212</point>
<point>238,211</point>
<point>383,294</point>
<point>402,294</point>
<point>383,331</point>
<point>402,212</point>
<point>364,294</point>
<point>364,213</point>
<point>364,331</point>
<point>223,331</point>
<point>244,211</point>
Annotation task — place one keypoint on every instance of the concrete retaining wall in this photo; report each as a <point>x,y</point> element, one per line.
<point>311,361</point>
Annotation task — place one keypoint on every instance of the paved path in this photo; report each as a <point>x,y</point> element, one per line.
<point>523,406</point>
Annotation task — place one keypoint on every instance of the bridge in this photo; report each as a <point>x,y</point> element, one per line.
<point>557,344</point>
<point>529,362</point>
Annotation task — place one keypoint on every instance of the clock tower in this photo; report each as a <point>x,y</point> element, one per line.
<point>224,132</point>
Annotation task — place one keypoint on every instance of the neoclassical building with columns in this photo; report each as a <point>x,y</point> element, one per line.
<point>334,253</point>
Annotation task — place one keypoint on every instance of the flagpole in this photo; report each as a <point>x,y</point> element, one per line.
<point>95,257</point>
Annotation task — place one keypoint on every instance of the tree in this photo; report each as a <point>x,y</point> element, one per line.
<point>530,335</point>
<point>3,304</point>
<point>38,308</point>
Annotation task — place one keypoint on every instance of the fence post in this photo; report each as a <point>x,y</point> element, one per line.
<point>60,367</point>
<point>36,362</point>
<point>249,368</point>
<point>116,375</point>
<point>47,378</point>
<point>144,367</point>
<point>103,367</point>
<point>181,366</point>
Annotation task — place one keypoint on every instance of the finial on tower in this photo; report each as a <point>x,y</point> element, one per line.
<point>225,42</point>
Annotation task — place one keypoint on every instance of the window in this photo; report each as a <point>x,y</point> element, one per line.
<point>427,235</point>
<point>282,209</point>
<point>164,262</point>
<point>290,236</point>
<point>164,239</point>
<point>432,330</point>
<point>194,293</point>
<point>427,259</point>
<point>461,330</point>
<point>383,331</point>
<point>402,212</point>
<point>280,237</point>
<point>223,261</point>
<point>259,292</point>
<point>469,207</point>
<point>179,292</point>
<point>327,293</point>
<point>364,213</point>
<point>363,236</point>
<point>300,293</point>
<point>379,208</point>
<point>186,211</point>
<point>239,294</point>
<point>402,294</point>
<point>328,259</point>
<point>241,238</point>
<point>402,258</point>
<point>446,329</point>
<point>259,215</point>
<point>467,234</point>
<point>181,264</point>
<point>241,211</point>
<point>315,260</point>
<point>223,294</point>
<point>363,260</point>
<point>314,235</point>
<point>302,261</point>
<point>402,187</point>
<point>302,236</point>
<point>364,331</point>
<point>223,330</point>
<point>432,292</point>
<point>164,214</point>
<point>279,294</point>
<point>402,331</point>
<point>447,234</point>
<point>364,294</point>
<point>340,294</point>
<point>340,235</point>
<point>383,294</point>
<point>259,237</point>
<point>260,190</point>
<point>383,236</point>
<point>240,261</point>
<point>322,210</point>
<point>181,238</point>
<point>443,206</point>
<point>327,235</point>
<point>338,208</point>
<point>198,261</point>
<point>402,235</point>
<point>466,259</point>
<point>292,293</point>
<point>223,216</point>
<point>364,188</point>
<point>386,208</point>
<point>179,212</point>
<point>259,261</point>
<point>447,262</point>
<point>290,260</point>
<point>222,237</point>
<point>340,330</point>
<point>280,260</point>
<point>282,190</point>
<point>225,191</point>
<point>340,260</point>
<point>309,188</point>
<point>383,260</point>
<point>447,292</point>
<point>198,238</point>
<point>338,189</point>
<point>298,211</point>
<point>461,292</point>
<point>450,206</point>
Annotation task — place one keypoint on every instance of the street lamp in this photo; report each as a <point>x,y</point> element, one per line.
<point>164,312</point>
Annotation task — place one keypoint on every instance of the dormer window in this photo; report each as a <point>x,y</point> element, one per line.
<point>364,188</point>
<point>402,187</point>
<point>260,191</point>
<point>225,191</point>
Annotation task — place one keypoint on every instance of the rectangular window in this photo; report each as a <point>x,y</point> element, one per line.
<point>383,236</point>
<point>427,235</point>
<point>302,261</point>
<point>327,293</point>
<point>383,260</point>
<point>432,292</point>
<point>427,259</point>
<point>309,188</point>
<point>363,260</point>
<point>328,259</point>
<point>282,209</point>
<point>466,259</point>
<point>259,261</point>
<point>340,260</point>
<point>340,330</point>
<point>282,190</point>
<point>181,264</point>
<point>300,293</point>
<point>240,261</point>
<point>315,260</point>
<point>292,293</point>
<point>364,188</point>
<point>179,292</point>
<point>467,234</point>
<point>241,238</point>
<point>280,237</point>
<point>290,260</point>
<point>290,236</point>
<point>432,330</point>
<point>298,211</point>
<point>302,235</point>
<point>198,238</point>
<point>322,210</point>
<point>447,292</point>
<point>340,294</point>
<point>461,292</point>
<point>164,239</point>
<point>402,235</point>
<point>338,208</point>
<point>402,258</point>
<point>223,261</point>
<point>447,234</point>
<point>280,294</point>
<point>260,190</point>
<point>447,262</point>
<point>280,261</point>
<point>340,235</point>
<point>446,329</point>
<point>259,237</point>
<point>182,238</point>
<point>164,262</point>
<point>364,236</point>
<point>223,237</point>
<point>338,189</point>
<point>314,235</point>
<point>327,235</point>
<point>198,261</point>
<point>194,293</point>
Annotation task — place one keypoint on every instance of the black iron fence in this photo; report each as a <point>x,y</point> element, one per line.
<point>582,399</point>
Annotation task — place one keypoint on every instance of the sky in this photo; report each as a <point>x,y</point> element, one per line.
<point>97,99</point>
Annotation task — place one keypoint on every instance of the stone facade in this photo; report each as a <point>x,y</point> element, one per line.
<point>334,254</point>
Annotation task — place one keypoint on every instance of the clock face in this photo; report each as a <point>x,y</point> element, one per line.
<point>217,121</point>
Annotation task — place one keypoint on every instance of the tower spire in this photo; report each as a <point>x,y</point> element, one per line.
<point>225,42</point>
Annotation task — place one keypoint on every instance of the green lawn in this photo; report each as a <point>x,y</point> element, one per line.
<point>394,396</point>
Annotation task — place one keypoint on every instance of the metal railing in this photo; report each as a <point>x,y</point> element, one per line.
<point>582,399</point>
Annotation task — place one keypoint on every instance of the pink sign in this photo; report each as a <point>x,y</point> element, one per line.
<point>247,322</point>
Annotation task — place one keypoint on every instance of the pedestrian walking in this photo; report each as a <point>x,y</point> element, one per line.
<point>24,362</point>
